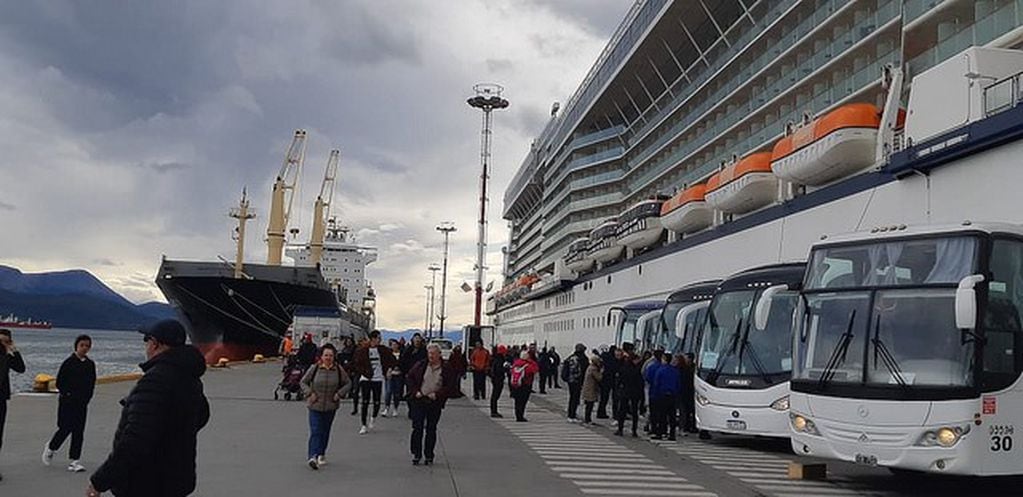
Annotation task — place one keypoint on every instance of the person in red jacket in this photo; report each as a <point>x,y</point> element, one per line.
<point>431,382</point>
<point>479,364</point>
<point>523,370</point>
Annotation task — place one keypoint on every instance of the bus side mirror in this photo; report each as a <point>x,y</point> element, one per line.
<point>966,302</point>
<point>763,310</point>
<point>683,317</point>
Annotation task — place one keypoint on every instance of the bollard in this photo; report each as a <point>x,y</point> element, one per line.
<point>258,358</point>
<point>221,363</point>
<point>44,383</point>
<point>801,471</point>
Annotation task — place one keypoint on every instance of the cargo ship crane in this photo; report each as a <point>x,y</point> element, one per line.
<point>282,197</point>
<point>242,214</point>
<point>321,211</point>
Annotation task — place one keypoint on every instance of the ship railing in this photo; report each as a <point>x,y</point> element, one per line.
<point>1003,95</point>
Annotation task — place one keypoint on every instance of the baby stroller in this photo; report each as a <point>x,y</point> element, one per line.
<point>291,383</point>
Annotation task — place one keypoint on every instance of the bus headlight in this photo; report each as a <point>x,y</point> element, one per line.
<point>700,399</point>
<point>781,404</point>
<point>946,436</point>
<point>803,425</point>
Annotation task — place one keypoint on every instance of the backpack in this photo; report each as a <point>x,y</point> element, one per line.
<point>518,375</point>
<point>572,371</point>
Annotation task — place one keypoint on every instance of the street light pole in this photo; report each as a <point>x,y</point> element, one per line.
<point>447,228</point>
<point>433,268</point>
<point>429,299</point>
<point>488,98</point>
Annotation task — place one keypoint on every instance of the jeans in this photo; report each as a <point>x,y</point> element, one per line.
<point>425,415</point>
<point>605,395</point>
<point>395,391</point>
<point>319,431</point>
<point>370,388</point>
<point>521,396</point>
<point>496,385</point>
<point>575,392</point>
<point>479,385</point>
<point>70,421</point>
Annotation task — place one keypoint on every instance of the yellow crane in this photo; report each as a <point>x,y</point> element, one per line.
<point>282,197</point>
<point>321,210</point>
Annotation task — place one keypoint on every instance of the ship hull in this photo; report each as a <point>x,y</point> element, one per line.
<point>236,318</point>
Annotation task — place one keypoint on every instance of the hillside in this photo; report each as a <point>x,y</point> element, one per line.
<point>73,299</point>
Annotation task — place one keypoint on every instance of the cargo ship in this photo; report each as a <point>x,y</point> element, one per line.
<point>12,321</point>
<point>240,309</point>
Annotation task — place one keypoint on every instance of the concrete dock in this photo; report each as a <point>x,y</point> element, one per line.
<point>256,446</point>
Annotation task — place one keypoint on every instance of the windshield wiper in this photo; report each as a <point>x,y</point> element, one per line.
<point>838,354</point>
<point>886,357</point>
<point>747,348</point>
<point>731,350</point>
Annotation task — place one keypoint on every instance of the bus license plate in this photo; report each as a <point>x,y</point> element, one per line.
<point>866,460</point>
<point>733,424</point>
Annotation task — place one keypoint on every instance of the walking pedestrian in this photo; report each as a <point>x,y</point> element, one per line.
<point>369,363</point>
<point>307,351</point>
<point>395,383</point>
<point>543,360</point>
<point>459,365</point>
<point>155,442</point>
<point>10,360</point>
<point>610,360</point>
<point>410,355</point>
<point>498,369</point>
<point>479,363</point>
<point>629,389</point>
<point>76,381</point>
<point>287,345</point>
<point>574,373</point>
<point>591,386</point>
<point>324,385</point>
<point>430,383</point>
<point>523,370</point>
<point>556,365</point>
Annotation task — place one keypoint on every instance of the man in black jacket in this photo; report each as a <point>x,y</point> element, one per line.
<point>155,443</point>
<point>76,382</point>
<point>498,371</point>
<point>10,360</point>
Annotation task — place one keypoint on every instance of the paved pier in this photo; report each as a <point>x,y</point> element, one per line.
<point>256,446</point>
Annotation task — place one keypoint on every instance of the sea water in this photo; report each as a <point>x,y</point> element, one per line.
<point>114,352</point>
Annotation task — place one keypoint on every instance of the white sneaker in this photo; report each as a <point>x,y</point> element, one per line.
<point>371,420</point>
<point>321,461</point>
<point>314,464</point>
<point>47,455</point>
<point>363,430</point>
<point>387,411</point>
<point>75,467</point>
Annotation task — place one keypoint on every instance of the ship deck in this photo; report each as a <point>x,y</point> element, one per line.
<point>256,446</point>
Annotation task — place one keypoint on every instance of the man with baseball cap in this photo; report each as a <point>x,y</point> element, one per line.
<point>155,443</point>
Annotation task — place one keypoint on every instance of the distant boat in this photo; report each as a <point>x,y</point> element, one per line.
<point>13,321</point>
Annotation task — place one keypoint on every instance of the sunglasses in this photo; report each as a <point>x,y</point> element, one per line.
<point>146,339</point>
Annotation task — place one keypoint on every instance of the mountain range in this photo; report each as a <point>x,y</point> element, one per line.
<point>73,299</point>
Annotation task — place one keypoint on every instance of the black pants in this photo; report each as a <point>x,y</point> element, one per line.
<point>662,415</point>
<point>628,406</point>
<point>521,396</point>
<point>575,392</point>
<point>479,385</point>
<point>589,412</point>
<point>355,398</point>
<point>543,382</point>
<point>605,395</point>
<point>554,377</point>
<point>3,420</point>
<point>425,415</point>
<point>70,421</point>
<point>496,385</point>
<point>371,388</point>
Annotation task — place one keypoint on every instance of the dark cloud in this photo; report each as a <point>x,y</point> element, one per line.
<point>600,17</point>
<point>4,206</point>
<point>167,167</point>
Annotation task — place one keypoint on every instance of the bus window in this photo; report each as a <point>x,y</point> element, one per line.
<point>1002,318</point>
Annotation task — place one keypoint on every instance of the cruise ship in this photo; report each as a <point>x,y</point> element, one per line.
<point>711,137</point>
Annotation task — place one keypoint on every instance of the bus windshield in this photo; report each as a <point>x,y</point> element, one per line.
<point>665,337</point>
<point>890,318</point>
<point>732,346</point>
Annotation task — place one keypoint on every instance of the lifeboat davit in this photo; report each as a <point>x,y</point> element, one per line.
<point>604,245</point>
<point>838,144</point>
<point>687,211</point>
<point>640,226</point>
<point>743,186</point>
<point>578,259</point>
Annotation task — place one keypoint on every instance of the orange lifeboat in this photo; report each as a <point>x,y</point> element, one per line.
<point>838,144</point>
<point>743,186</point>
<point>687,211</point>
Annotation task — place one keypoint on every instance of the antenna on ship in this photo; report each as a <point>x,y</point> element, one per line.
<point>242,214</point>
<point>282,197</point>
<point>321,210</point>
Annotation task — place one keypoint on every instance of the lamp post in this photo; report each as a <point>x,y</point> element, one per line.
<point>433,268</point>
<point>447,228</point>
<point>429,301</point>
<point>488,98</point>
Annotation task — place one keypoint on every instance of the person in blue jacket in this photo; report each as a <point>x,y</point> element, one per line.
<point>665,387</point>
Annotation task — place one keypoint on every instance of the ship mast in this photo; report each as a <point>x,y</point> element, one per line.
<point>242,214</point>
<point>282,197</point>
<point>321,211</point>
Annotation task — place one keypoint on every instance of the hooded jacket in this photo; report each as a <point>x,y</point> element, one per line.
<point>155,443</point>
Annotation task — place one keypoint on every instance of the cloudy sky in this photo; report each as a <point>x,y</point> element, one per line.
<point>128,129</point>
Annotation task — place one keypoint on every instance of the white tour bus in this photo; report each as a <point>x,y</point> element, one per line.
<point>907,349</point>
<point>742,375</point>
